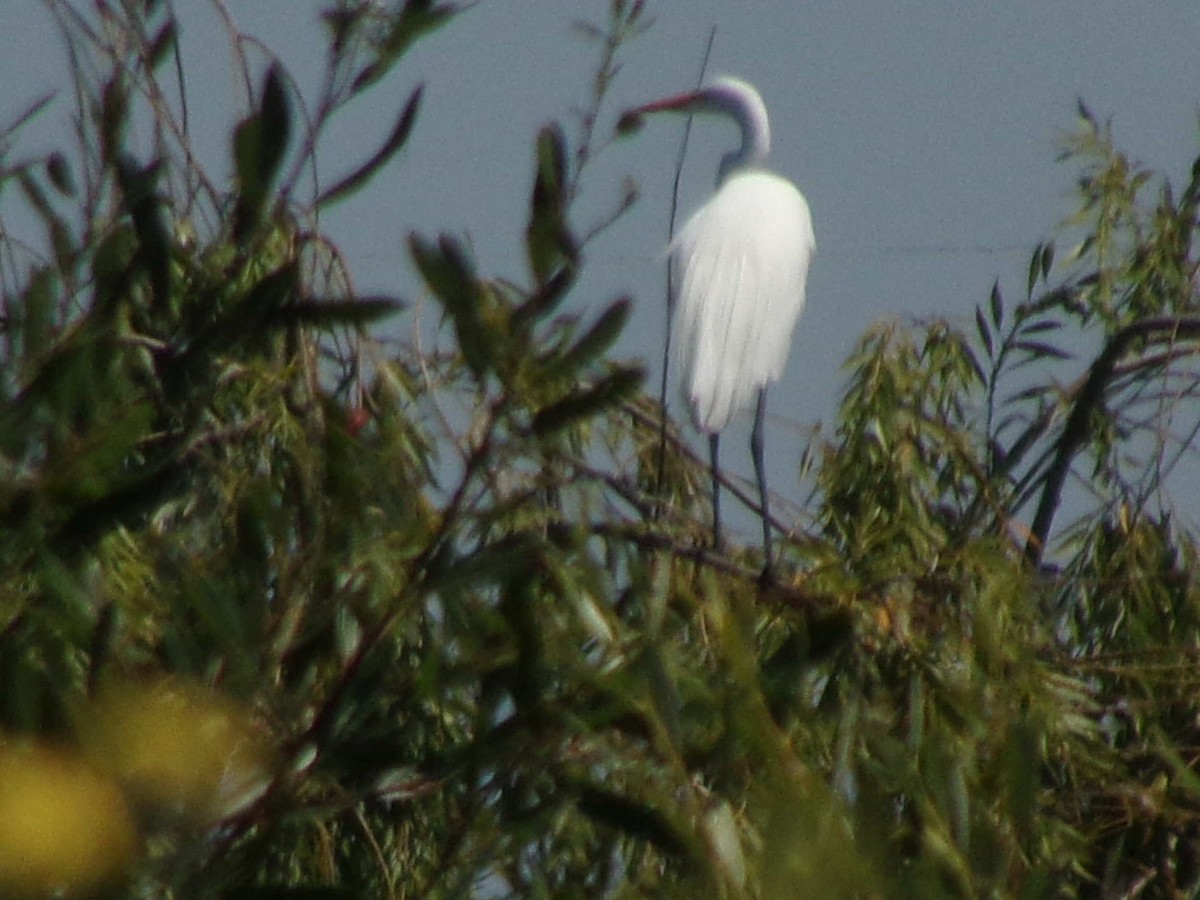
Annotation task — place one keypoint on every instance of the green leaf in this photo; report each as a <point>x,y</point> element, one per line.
<point>1042,350</point>
<point>131,500</point>
<point>976,369</point>
<point>342,24</point>
<point>1047,259</point>
<point>548,241</point>
<point>259,144</point>
<point>450,276</point>
<point>57,229</point>
<point>139,190</point>
<point>418,18</point>
<point>1035,268</point>
<point>1033,392</point>
<point>38,314</point>
<point>273,290</point>
<point>360,176</point>
<point>1040,326</point>
<point>58,170</point>
<point>595,341</point>
<point>251,191</point>
<point>114,111</point>
<point>331,313</point>
<point>985,334</point>
<point>246,138</point>
<point>260,310</point>
<point>501,561</point>
<point>445,268</point>
<point>161,45</point>
<point>1062,297</point>
<point>110,268</point>
<point>1085,112</point>
<point>276,118</point>
<point>588,401</point>
<point>630,817</point>
<point>548,296</point>
<point>1022,761</point>
<point>997,305</point>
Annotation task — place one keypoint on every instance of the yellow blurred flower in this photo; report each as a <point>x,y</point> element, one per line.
<point>180,748</point>
<point>64,827</point>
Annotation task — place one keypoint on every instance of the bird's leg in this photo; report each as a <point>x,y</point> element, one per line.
<point>760,472</point>
<point>714,452</point>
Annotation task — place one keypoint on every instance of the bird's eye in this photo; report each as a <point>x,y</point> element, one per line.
<point>629,123</point>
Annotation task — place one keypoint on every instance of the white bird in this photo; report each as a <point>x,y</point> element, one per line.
<point>739,268</point>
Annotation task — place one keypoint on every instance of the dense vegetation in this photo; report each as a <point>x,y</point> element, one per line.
<point>289,612</point>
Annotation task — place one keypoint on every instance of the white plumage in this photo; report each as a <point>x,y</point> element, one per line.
<point>739,267</point>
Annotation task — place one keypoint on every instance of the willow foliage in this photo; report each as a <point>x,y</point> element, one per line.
<point>285,613</point>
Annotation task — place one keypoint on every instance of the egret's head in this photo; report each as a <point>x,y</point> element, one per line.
<point>724,94</point>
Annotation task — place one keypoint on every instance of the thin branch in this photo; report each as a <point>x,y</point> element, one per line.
<point>666,363</point>
<point>1088,399</point>
<point>782,594</point>
<point>740,493</point>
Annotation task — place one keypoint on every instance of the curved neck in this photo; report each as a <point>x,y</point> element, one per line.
<point>751,117</point>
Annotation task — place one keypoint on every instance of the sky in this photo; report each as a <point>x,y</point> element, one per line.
<point>924,135</point>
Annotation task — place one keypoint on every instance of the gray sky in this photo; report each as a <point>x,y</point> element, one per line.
<point>923,134</point>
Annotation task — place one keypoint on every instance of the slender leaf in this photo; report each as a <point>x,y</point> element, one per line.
<point>595,341</point>
<point>1034,391</point>
<point>1047,258</point>
<point>259,145</point>
<point>114,111</point>
<point>985,333</point>
<point>162,45</point>
<point>543,301</point>
<point>330,313</point>
<point>259,311</point>
<point>1035,268</point>
<point>1041,326</point>
<point>1085,112</point>
<point>418,18</point>
<point>276,117</point>
<point>548,241</point>
<point>139,188</point>
<point>449,275</point>
<point>58,170</point>
<point>364,173</point>
<point>1041,350</point>
<point>630,818</point>
<point>588,401</point>
<point>58,231</point>
<point>977,370</point>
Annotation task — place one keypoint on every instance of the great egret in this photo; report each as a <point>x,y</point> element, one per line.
<point>739,268</point>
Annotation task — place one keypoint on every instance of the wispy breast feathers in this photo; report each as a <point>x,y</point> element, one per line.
<point>740,267</point>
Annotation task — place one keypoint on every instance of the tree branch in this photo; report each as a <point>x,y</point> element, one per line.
<point>1090,397</point>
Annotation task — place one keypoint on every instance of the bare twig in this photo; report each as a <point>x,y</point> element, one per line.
<point>666,361</point>
<point>1087,400</point>
<point>735,487</point>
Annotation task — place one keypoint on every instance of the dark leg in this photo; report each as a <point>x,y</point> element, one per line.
<point>714,452</point>
<point>662,412</point>
<point>760,472</point>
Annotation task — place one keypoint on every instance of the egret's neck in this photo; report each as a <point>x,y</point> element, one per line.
<point>756,138</point>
